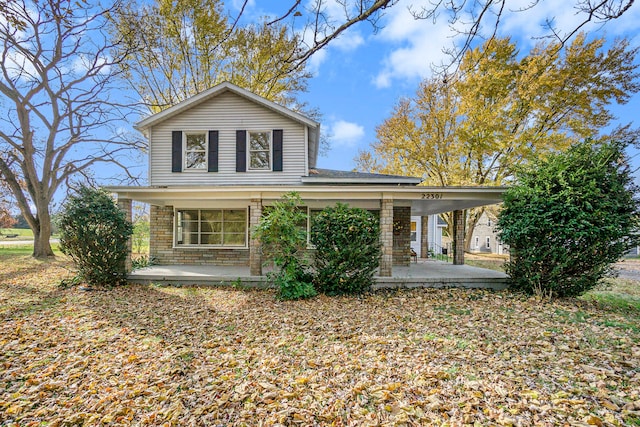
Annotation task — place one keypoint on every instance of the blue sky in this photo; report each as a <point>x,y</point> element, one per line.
<point>359,77</point>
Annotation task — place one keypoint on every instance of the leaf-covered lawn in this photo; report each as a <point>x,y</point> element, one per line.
<point>144,355</point>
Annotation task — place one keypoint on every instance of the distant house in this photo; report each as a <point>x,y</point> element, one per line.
<point>426,236</point>
<point>485,237</point>
<point>218,158</point>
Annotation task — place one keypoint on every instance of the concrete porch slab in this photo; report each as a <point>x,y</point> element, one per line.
<point>424,273</point>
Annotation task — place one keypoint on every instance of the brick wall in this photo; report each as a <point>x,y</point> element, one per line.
<point>126,206</point>
<point>386,237</point>
<point>161,245</point>
<point>401,235</point>
<point>458,237</point>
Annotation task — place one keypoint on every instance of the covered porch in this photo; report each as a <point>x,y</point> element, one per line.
<point>395,205</point>
<point>423,273</point>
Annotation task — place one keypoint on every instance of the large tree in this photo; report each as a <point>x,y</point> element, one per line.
<point>183,47</point>
<point>499,110</point>
<point>58,117</point>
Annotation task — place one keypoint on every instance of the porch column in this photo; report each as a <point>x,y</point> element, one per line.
<point>424,237</point>
<point>255,247</point>
<point>386,236</point>
<point>458,237</point>
<point>125,206</point>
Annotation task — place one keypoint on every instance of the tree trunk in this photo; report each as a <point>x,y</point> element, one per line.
<point>472,220</point>
<point>42,245</point>
<point>42,232</point>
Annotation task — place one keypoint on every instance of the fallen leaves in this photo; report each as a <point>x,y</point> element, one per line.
<point>141,355</point>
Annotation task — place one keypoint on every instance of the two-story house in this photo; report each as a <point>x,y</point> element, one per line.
<point>217,159</point>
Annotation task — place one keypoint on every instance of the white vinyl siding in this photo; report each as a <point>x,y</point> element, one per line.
<point>228,113</point>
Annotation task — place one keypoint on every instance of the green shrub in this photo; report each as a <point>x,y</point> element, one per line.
<point>142,261</point>
<point>283,235</point>
<point>569,218</point>
<point>94,234</point>
<point>347,242</point>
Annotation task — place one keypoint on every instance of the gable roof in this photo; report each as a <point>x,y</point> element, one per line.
<point>215,91</point>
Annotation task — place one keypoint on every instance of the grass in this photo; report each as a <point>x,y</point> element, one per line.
<point>149,355</point>
<point>23,233</point>
<point>488,261</point>
<point>24,249</point>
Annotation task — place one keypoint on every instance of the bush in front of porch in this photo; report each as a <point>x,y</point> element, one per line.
<point>347,242</point>
<point>285,240</point>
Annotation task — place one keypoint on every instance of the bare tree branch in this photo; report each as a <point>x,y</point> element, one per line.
<point>58,119</point>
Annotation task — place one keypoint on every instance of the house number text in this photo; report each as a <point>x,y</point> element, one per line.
<point>431,196</point>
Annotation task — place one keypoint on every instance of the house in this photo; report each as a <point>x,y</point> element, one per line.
<point>485,237</point>
<point>426,236</point>
<point>217,159</point>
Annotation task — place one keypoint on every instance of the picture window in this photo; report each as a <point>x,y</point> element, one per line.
<point>216,227</point>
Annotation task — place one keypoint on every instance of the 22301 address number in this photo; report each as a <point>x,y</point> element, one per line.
<point>431,196</point>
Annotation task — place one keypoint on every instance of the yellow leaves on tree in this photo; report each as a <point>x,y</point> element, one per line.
<point>501,109</point>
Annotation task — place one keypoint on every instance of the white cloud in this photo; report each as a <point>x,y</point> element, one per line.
<point>531,23</point>
<point>346,133</point>
<point>237,4</point>
<point>316,60</point>
<point>348,41</point>
<point>82,64</point>
<point>418,44</point>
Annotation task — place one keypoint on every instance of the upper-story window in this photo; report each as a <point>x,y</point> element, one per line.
<point>260,150</point>
<point>195,151</point>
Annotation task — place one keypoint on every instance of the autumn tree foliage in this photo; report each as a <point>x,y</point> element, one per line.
<point>569,218</point>
<point>501,110</point>
<point>56,117</point>
<point>177,48</point>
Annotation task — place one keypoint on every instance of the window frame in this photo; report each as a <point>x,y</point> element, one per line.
<point>177,226</point>
<point>185,136</point>
<point>269,151</point>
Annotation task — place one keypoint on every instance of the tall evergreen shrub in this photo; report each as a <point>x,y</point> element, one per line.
<point>94,234</point>
<point>569,218</point>
<point>347,242</point>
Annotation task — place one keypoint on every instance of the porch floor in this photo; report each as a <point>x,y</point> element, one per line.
<point>424,273</point>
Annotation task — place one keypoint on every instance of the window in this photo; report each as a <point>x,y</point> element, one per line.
<point>213,227</point>
<point>488,242</point>
<point>489,222</point>
<point>260,150</point>
<point>195,151</point>
<point>414,233</point>
<point>477,245</point>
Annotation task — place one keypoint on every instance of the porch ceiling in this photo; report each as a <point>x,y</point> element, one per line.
<point>423,200</point>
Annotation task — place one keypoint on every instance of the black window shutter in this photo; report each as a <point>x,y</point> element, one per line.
<point>241,151</point>
<point>277,150</point>
<point>176,151</point>
<point>213,151</point>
